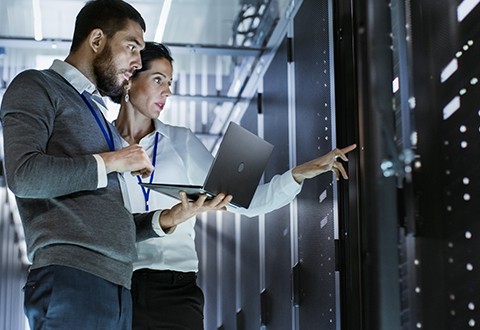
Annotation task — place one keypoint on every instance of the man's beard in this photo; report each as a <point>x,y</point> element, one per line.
<point>106,74</point>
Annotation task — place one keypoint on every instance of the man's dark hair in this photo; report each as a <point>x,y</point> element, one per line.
<point>110,16</point>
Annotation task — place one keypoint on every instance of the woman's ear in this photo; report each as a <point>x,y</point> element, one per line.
<point>96,40</point>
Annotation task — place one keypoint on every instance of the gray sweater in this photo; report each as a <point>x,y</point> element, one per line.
<point>50,137</point>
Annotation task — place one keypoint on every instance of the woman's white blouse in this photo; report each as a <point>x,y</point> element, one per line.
<point>182,158</point>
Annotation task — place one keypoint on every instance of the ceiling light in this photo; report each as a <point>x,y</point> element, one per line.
<point>162,22</point>
<point>37,20</point>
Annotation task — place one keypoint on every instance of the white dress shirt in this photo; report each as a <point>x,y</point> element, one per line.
<point>182,158</point>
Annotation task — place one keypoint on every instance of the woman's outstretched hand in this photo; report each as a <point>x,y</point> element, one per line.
<point>322,164</point>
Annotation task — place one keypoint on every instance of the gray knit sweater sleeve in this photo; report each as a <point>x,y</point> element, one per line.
<point>41,161</point>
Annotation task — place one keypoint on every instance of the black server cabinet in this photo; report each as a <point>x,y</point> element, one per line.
<point>278,271</point>
<point>248,313</point>
<point>316,135</point>
<point>13,270</point>
<point>207,244</point>
<point>227,270</point>
<point>277,292</point>
<point>446,50</point>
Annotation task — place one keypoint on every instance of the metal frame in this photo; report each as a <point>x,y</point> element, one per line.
<point>368,241</point>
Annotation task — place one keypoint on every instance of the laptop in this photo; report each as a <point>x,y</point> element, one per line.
<point>236,170</point>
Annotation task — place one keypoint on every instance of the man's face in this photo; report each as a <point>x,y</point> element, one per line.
<point>118,59</point>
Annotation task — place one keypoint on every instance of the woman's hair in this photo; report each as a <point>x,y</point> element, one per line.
<point>110,16</point>
<point>152,51</point>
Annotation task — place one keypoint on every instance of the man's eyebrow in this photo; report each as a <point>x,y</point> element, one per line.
<point>138,43</point>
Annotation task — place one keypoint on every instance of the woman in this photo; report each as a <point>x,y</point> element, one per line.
<point>164,290</point>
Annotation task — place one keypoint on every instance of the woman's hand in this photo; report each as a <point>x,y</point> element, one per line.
<point>325,163</point>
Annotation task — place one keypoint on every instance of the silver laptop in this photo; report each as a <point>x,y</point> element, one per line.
<point>236,169</point>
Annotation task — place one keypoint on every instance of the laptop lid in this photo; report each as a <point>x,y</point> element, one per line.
<point>239,165</point>
<point>237,168</point>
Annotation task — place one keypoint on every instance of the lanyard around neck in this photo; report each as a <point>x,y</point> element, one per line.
<point>108,135</point>
<point>146,191</point>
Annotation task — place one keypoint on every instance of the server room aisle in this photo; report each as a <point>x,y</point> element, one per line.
<point>395,246</point>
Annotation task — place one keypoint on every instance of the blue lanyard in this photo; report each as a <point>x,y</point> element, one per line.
<point>108,136</point>
<point>146,191</point>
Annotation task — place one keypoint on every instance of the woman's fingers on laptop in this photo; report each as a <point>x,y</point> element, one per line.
<point>204,203</point>
<point>221,201</point>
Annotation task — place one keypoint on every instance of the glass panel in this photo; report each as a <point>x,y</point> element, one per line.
<point>223,22</point>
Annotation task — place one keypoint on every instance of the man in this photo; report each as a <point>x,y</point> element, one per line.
<point>62,162</point>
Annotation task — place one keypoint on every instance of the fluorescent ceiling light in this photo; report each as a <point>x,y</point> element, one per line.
<point>450,69</point>
<point>465,7</point>
<point>162,22</point>
<point>395,85</point>
<point>451,107</point>
<point>37,20</point>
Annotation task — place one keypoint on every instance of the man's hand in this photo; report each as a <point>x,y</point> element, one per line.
<point>130,159</point>
<point>323,164</point>
<point>186,209</point>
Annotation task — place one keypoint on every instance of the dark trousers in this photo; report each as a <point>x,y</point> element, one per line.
<point>166,300</point>
<point>59,297</point>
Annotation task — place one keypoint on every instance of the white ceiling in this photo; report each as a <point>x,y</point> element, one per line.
<point>189,21</point>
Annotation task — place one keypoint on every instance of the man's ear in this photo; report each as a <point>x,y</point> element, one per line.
<point>96,40</point>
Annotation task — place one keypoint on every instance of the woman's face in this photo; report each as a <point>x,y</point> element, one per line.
<point>150,88</point>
